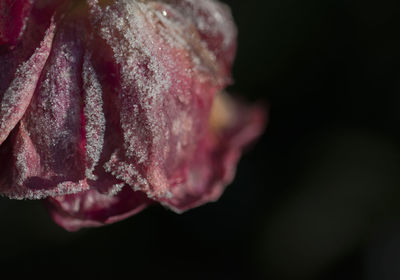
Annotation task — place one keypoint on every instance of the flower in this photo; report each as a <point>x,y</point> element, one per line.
<point>109,106</point>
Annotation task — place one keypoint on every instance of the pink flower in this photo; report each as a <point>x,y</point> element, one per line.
<point>109,106</point>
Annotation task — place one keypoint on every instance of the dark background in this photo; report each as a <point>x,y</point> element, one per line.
<point>317,197</point>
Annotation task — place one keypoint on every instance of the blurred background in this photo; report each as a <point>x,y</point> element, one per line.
<point>317,197</point>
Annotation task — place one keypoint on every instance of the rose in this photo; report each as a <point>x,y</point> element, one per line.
<point>109,106</point>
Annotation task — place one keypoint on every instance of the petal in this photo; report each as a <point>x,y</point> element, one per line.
<point>214,164</point>
<point>49,159</point>
<point>23,165</point>
<point>92,209</point>
<point>94,120</point>
<point>214,23</point>
<point>164,85</point>
<point>17,97</point>
<point>13,18</point>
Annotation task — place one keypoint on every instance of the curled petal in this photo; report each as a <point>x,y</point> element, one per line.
<point>92,209</point>
<point>47,148</point>
<point>232,127</point>
<point>17,97</point>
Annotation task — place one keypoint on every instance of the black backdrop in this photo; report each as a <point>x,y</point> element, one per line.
<point>316,198</point>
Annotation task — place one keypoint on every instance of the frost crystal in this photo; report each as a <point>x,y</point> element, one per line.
<point>94,117</point>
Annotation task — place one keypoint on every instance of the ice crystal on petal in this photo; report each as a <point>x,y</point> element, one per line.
<point>94,117</point>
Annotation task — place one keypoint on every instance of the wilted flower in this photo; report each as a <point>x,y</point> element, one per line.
<point>109,106</point>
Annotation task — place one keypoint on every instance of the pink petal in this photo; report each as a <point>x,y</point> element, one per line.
<point>91,209</point>
<point>164,88</point>
<point>214,164</point>
<point>17,97</point>
<point>24,167</point>
<point>215,25</point>
<point>47,151</point>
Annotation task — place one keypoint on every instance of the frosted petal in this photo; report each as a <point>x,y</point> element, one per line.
<point>24,168</point>
<point>214,164</point>
<point>91,209</point>
<point>53,123</point>
<point>164,94</point>
<point>215,25</point>
<point>17,97</point>
<point>94,121</point>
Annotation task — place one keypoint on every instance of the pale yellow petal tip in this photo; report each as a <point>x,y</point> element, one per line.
<point>222,112</point>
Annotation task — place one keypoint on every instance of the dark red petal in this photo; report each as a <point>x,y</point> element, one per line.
<point>13,18</point>
<point>15,100</point>
<point>48,156</point>
<point>91,209</point>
